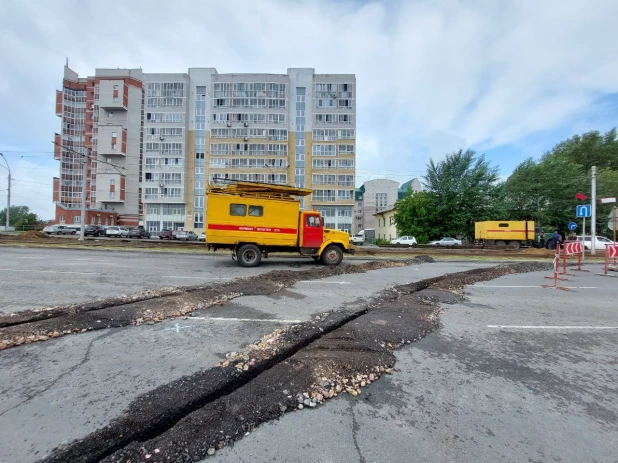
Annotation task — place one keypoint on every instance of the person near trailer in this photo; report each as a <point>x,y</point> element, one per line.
<point>556,238</point>
<point>542,240</point>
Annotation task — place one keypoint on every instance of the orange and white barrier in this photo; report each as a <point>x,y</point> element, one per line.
<point>555,277</point>
<point>571,248</point>
<point>611,253</point>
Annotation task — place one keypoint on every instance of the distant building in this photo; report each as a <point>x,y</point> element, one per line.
<point>374,196</point>
<point>414,185</point>
<point>385,224</point>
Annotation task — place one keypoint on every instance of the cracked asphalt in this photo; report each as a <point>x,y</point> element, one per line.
<point>467,392</point>
<point>473,393</point>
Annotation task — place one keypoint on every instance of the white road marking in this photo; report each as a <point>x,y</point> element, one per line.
<point>531,286</point>
<point>543,327</point>
<point>222,319</point>
<point>196,278</point>
<point>46,271</point>
<point>325,282</point>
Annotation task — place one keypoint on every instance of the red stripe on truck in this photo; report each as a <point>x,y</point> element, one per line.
<point>510,231</point>
<point>246,228</point>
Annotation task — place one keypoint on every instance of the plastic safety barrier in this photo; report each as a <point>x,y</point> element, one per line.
<point>557,272</point>
<point>611,253</point>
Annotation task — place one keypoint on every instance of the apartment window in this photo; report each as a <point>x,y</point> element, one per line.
<point>277,134</point>
<point>276,118</point>
<point>346,134</point>
<point>324,164</point>
<point>112,181</point>
<point>62,219</point>
<point>300,141</point>
<point>345,194</point>
<point>324,150</point>
<point>325,118</point>
<point>346,163</point>
<point>346,118</point>
<point>219,148</point>
<point>278,149</point>
<point>77,219</point>
<point>199,155</point>
<point>345,180</point>
<point>324,135</point>
<point>198,202</point>
<point>112,194</point>
<point>346,149</point>
<point>300,171</point>
<point>110,113</point>
<point>324,179</point>
<point>324,195</point>
<point>199,170</point>
<point>114,134</point>
<point>300,157</point>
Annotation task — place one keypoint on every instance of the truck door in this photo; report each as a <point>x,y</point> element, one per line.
<point>313,232</point>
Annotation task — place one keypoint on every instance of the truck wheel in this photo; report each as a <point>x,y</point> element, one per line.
<point>500,243</point>
<point>332,255</point>
<point>515,245</point>
<point>249,255</point>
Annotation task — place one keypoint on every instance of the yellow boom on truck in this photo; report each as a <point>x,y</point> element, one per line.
<point>511,233</point>
<point>253,219</point>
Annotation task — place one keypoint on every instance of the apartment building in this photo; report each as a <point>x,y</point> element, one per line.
<point>157,139</point>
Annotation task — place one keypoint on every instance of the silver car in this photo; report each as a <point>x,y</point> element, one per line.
<point>446,242</point>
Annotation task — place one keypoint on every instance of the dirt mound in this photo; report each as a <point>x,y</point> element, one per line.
<point>538,252</point>
<point>34,234</point>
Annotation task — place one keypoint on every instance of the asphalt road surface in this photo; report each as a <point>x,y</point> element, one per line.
<point>489,385</point>
<point>33,278</point>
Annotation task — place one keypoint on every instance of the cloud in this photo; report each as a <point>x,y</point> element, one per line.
<point>432,77</point>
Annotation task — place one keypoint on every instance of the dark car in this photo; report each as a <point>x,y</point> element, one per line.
<point>94,230</point>
<point>167,234</point>
<point>139,233</point>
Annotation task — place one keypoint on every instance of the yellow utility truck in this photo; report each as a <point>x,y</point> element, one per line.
<point>253,219</point>
<point>505,233</point>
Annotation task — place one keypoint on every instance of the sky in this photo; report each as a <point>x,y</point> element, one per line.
<point>507,78</point>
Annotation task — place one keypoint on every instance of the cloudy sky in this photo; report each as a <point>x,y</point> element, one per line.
<point>508,78</point>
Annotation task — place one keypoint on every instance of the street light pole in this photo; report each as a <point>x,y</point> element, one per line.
<point>84,185</point>
<point>8,196</point>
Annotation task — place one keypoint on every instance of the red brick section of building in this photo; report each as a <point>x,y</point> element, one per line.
<point>93,217</point>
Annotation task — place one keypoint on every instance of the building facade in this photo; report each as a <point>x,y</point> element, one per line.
<point>385,224</point>
<point>154,141</point>
<point>375,196</point>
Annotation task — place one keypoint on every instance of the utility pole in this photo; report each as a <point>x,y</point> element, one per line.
<point>593,224</point>
<point>8,196</point>
<point>84,185</point>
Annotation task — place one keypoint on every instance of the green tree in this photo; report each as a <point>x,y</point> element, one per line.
<point>416,215</point>
<point>20,217</point>
<point>465,189</point>
<point>590,149</point>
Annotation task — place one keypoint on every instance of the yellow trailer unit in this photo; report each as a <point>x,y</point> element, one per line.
<point>505,233</point>
<point>253,219</point>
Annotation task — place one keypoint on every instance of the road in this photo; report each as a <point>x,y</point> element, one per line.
<point>471,391</point>
<point>476,392</point>
<point>34,278</point>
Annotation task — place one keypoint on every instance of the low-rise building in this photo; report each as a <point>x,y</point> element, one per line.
<point>385,224</point>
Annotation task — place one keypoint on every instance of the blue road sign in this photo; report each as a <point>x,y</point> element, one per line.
<point>583,210</point>
<point>572,226</point>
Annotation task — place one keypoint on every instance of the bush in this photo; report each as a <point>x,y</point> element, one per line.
<point>380,241</point>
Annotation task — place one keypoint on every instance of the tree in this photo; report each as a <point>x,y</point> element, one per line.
<point>416,215</point>
<point>20,217</point>
<point>465,189</point>
<point>590,149</point>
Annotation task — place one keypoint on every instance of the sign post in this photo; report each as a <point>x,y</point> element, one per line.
<point>584,211</point>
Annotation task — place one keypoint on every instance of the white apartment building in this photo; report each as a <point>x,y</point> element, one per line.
<point>158,139</point>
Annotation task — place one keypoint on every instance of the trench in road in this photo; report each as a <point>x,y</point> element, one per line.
<point>185,420</point>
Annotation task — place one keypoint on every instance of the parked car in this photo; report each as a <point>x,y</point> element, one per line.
<point>59,230</point>
<point>94,230</point>
<point>202,237</point>
<point>599,243</point>
<point>185,236</point>
<point>409,240</point>
<point>167,234</point>
<point>114,232</point>
<point>139,233</point>
<point>357,239</point>
<point>446,242</point>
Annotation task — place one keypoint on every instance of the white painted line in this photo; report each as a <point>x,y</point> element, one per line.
<point>47,271</point>
<point>222,319</point>
<point>542,327</point>
<point>196,278</point>
<point>177,328</point>
<point>532,286</point>
<point>325,282</point>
